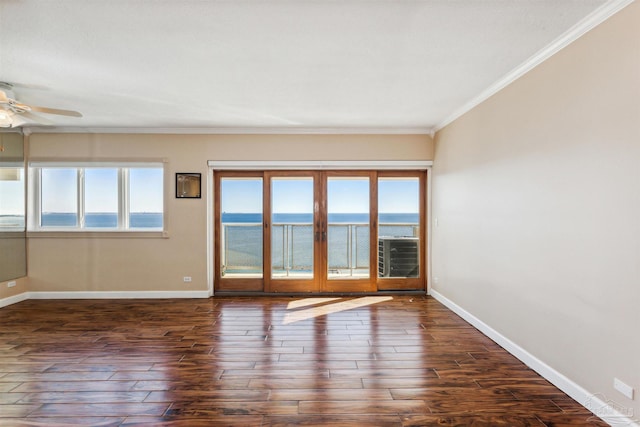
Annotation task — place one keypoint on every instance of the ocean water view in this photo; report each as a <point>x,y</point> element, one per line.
<point>348,236</point>
<point>334,218</point>
<point>12,221</point>
<point>102,220</point>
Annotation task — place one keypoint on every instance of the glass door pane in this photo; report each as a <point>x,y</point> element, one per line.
<point>399,227</point>
<point>292,234</point>
<point>348,231</point>
<point>241,227</point>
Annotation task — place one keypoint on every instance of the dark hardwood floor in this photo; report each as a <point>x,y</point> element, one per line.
<point>380,361</point>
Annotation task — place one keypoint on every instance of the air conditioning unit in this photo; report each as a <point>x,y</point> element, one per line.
<point>398,257</point>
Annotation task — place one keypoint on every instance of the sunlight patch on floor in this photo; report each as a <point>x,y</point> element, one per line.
<point>310,313</point>
<point>309,301</point>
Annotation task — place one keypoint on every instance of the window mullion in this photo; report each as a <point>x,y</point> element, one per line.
<point>120,206</point>
<point>37,191</point>
<point>80,208</point>
<point>123,209</point>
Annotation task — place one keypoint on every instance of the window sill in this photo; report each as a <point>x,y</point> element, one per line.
<point>118,234</point>
<point>10,234</point>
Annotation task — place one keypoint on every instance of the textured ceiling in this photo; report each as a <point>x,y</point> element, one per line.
<point>260,64</point>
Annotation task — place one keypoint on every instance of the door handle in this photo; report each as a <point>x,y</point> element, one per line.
<point>317,236</point>
<point>324,236</point>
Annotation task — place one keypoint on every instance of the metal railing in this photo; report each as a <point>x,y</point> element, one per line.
<point>348,255</point>
<point>292,247</point>
<point>241,248</point>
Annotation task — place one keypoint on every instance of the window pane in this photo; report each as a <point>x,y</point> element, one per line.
<point>292,227</point>
<point>12,198</point>
<point>241,227</point>
<point>398,227</point>
<point>146,195</point>
<point>348,232</point>
<point>59,197</point>
<point>101,198</point>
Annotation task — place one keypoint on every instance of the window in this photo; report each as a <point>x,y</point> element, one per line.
<point>398,226</point>
<point>59,198</point>
<point>241,227</point>
<point>12,198</point>
<point>145,199</point>
<point>98,197</point>
<point>319,230</point>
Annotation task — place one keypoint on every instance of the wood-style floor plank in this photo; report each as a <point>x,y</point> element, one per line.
<point>267,361</point>
<point>62,422</point>
<point>84,397</point>
<point>333,421</point>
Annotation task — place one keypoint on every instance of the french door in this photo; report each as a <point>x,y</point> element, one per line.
<point>319,231</point>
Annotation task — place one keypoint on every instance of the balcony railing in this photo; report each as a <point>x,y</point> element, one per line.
<point>292,248</point>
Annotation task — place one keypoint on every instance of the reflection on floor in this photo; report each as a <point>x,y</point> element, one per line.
<point>334,307</point>
<point>305,302</point>
<point>401,361</point>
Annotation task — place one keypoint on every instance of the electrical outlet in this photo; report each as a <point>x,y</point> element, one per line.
<point>11,284</point>
<point>623,388</point>
<point>186,279</point>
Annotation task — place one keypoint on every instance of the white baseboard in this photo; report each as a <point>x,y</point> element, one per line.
<point>609,411</point>
<point>14,299</point>
<point>103,295</point>
<point>119,295</point>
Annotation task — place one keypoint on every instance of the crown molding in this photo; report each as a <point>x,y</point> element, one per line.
<point>591,21</point>
<point>238,130</point>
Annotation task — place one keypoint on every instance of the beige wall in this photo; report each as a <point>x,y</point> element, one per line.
<point>157,264</point>
<point>537,196</point>
<point>13,254</point>
<point>12,243</point>
<point>12,147</point>
<point>6,292</point>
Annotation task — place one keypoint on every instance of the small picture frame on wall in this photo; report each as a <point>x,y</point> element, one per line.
<point>188,185</point>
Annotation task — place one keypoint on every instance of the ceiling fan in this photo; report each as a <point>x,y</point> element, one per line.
<point>13,113</point>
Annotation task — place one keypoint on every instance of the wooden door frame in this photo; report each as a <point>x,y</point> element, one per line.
<point>352,285</point>
<point>291,285</point>
<point>238,284</point>
<point>216,168</point>
<point>420,282</point>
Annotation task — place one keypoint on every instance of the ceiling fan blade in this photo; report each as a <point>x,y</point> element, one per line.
<point>37,119</point>
<point>18,121</point>
<point>55,111</point>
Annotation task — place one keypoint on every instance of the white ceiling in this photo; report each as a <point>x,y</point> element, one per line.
<point>265,64</point>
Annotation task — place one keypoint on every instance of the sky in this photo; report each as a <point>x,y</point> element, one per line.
<point>239,195</point>
<point>292,196</point>
<point>398,195</point>
<point>395,195</point>
<point>146,186</point>
<point>12,196</point>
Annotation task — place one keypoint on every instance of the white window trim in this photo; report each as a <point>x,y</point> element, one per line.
<point>321,165</point>
<point>34,229</point>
